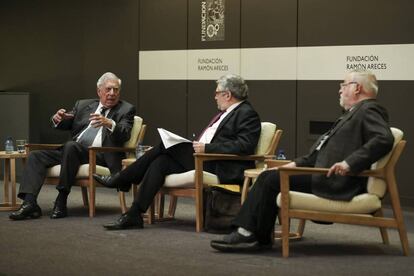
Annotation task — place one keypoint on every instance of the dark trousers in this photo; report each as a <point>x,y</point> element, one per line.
<point>151,169</point>
<point>258,213</point>
<point>70,156</point>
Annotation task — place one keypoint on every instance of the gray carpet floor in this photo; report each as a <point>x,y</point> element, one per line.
<point>78,245</point>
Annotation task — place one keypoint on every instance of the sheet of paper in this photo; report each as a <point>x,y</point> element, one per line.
<point>170,139</point>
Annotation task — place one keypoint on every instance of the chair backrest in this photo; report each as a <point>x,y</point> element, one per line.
<point>268,140</point>
<point>136,128</point>
<point>137,135</point>
<point>265,139</point>
<point>378,186</point>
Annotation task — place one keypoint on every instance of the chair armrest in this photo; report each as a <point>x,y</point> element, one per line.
<point>271,163</point>
<point>111,149</point>
<point>307,170</point>
<point>221,156</point>
<point>31,147</point>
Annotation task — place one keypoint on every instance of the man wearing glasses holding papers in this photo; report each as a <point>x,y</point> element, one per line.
<point>235,130</point>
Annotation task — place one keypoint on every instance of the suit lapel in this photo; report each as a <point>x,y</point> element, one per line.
<point>111,113</point>
<point>225,120</point>
<point>113,110</point>
<point>346,117</point>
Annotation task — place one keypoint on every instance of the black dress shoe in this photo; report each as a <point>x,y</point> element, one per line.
<point>236,242</point>
<point>27,210</point>
<point>108,181</point>
<point>126,221</point>
<point>59,212</point>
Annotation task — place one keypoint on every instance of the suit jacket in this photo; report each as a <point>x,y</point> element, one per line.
<point>123,115</point>
<point>360,138</point>
<point>238,133</point>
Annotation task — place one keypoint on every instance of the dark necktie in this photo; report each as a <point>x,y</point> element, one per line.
<point>89,135</point>
<point>328,134</point>
<point>213,120</point>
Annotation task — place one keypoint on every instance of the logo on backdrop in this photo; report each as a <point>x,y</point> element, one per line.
<point>365,62</point>
<point>212,20</point>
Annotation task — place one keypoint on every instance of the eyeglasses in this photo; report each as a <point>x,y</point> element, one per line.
<point>218,92</point>
<point>342,85</point>
<point>110,88</point>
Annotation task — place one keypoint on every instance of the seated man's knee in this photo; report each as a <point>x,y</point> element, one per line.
<point>161,163</point>
<point>70,146</point>
<point>34,156</point>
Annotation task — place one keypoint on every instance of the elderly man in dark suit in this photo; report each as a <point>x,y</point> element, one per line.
<point>235,130</point>
<point>106,121</point>
<point>358,138</point>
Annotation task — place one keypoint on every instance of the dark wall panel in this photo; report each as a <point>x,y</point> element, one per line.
<point>268,23</point>
<point>163,24</point>
<point>111,44</point>
<point>275,101</point>
<point>42,56</point>
<point>56,50</point>
<point>163,104</point>
<point>355,22</point>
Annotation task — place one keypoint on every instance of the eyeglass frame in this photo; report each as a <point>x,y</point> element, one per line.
<point>222,91</point>
<point>343,84</point>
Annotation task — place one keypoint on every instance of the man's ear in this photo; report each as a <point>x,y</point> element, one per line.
<point>358,89</point>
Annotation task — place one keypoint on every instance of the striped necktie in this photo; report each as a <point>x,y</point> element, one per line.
<point>213,120</point>
<point>90,133</point>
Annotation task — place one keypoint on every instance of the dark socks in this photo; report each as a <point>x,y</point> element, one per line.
<point>30,198</point>
<point>61,199</point>
<point>135,209</point>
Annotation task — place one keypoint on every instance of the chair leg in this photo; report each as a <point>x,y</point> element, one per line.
<point>285,234</point>
<point>160,200</point>
<point>301,227</point>
<point>85,196</point>
<point>151,213</point>
<point>92,190</point>
<point>172,207</point>
<point>245,189</point>
<point>383,230</point>
<point>401,228</point>
<point>122,201</point>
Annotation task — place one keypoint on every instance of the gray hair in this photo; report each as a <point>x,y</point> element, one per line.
<point>235,84</point>
<point>367,79</point>
<point>106,77</point>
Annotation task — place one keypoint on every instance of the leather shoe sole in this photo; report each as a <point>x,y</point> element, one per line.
<point>59,213</point>
<point>126,221</point>
<point>239,247</point>
<point>115,226</point>
<point>26,212</point>
<point>104,180</point>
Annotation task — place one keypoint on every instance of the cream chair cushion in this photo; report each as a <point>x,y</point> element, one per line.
<point>362,204</point>
<point>83,171</point>
<point>185,180</point>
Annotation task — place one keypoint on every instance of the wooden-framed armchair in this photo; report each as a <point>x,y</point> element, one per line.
<point>364,209</point>
<point>84,177</point>
<point>191,183</point>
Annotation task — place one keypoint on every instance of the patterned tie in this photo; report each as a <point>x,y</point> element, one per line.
<point>89,135</point>
<point>213,120</point>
